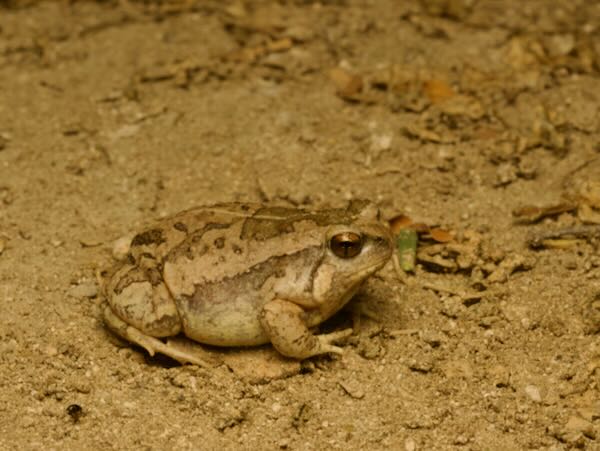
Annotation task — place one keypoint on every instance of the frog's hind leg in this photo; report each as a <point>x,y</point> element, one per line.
<point>141,309</point>
<point>140,298</point>
<point>149,343</point>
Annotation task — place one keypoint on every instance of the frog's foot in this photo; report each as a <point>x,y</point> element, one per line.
<point>149,343</point>
<point>326,340</point>
<point>358,310</point>
<point>284,323</point>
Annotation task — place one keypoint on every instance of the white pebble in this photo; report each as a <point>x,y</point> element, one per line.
<point>533,392</point>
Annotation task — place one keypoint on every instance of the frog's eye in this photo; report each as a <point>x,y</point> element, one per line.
<point>346,244</point>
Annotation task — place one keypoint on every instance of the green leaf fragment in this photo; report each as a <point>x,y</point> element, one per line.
<point>406,243</point>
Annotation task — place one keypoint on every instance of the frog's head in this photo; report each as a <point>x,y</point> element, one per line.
<point>353,251</point>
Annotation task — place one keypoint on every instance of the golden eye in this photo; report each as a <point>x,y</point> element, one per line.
<point>346,244</point>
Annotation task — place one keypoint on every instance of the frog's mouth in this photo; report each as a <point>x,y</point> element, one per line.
<point>365,271</point>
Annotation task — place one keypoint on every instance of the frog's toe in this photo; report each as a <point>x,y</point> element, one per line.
<point>326,340</point>
<point>335,336</point>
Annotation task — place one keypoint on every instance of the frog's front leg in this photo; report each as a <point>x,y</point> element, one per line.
<point>284,323</point>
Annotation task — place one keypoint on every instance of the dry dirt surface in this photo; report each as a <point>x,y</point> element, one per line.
<point>479,117</point>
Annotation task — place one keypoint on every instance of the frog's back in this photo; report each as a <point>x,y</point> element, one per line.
<point>160,238</point>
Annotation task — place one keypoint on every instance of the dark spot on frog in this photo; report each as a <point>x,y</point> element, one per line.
<point>279,273</point>
<point>220,242</point>
<point>154,276</point>
<point>192,246</point>
<point>154,236</point>
<point>180,226</point>
<point>134,275</point>
<point>138,259</point>
<point>193,250</point>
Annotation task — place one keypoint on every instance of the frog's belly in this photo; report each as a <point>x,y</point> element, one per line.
<point>227,322</point>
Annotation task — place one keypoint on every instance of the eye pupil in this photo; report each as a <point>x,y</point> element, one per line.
<point>346,245</point>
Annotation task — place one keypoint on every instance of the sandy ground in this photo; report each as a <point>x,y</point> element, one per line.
<point>453,112</point>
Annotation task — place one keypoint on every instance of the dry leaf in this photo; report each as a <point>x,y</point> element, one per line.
<point>441,235</point>
<point>399,222</point>
<point>531,213</point>
<point>437,90</point>
<point>420,227</point>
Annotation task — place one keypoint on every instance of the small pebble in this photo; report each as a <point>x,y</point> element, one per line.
<point>533,392</point>
<point>381,142</point>
<point>577,424</point>
<point>56,242</point>
<point>84,290</point>
<point>121,247</point>
<point>352,389</point>
<point>410,444</point>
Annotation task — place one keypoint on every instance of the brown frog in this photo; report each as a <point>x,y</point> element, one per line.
<point>241,274</point>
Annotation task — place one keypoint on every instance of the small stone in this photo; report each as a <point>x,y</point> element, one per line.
<point>590,413</point>
<point>125,131</point>
<point>410,444</point>
<point>56,242</point>
<point>84,290</point>
<point>461,440</point>
<point>347,84</point>
<point>51,351</point>
<point>352,389</point>
<point>382,142</point>
<point>505,174</point>
<point>28,421</point>
<point>560,44</point>
<point>534,393</point>
<point>423,365</point>
<point>579,425</point>
<point>432,338</point>
<point>121,247</point>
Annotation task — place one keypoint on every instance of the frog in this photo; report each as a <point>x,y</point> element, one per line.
<point>244,274</point>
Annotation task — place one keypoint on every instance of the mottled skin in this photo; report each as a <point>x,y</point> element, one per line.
<point>244,274</point>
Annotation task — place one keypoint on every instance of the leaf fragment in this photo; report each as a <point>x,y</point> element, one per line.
<point>406,243</point>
